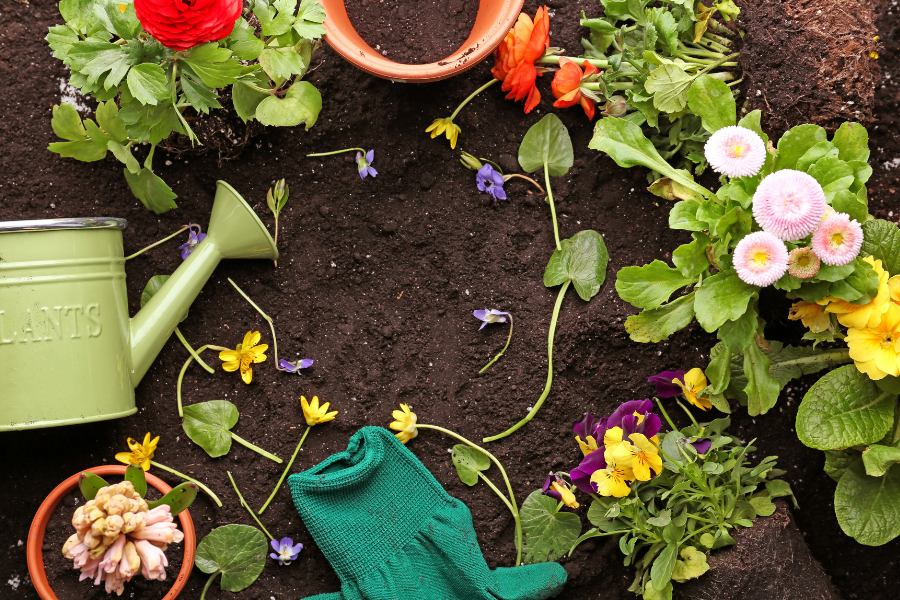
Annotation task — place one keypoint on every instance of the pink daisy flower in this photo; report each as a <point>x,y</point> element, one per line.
<point>803,263</point>
<point>735,151</point>
<point>760,259</point>
<point>789,204</point>
<point>838,240</point>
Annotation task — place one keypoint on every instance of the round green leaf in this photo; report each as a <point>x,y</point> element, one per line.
<point>549,534</point>
<point>868,508</point>
<point>712,99</point>
<point>582,260</point>
<point>238,551</point>
<point>547,143</point>
<point>209,424</point>
<point>301,104</point>
<point>722,297</point>
<point>469,462</point>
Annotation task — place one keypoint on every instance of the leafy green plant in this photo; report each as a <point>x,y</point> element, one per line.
<point>209,424</point>
<point>276,199</point>
<point>236,552</point>
<point>144,90</point>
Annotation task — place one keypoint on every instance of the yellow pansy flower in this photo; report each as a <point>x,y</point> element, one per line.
<point>876,350</point>
<point>811,314</point>
<point>613,480</point>
<point>314,413</point>
<point>405,423</point>
<point>141,454</point>
<point>445,126</point>
<point>245,355</point>
<point>640,455</point>
<point>694,383</point>
<point>588,446</point>
<point>860,316</point>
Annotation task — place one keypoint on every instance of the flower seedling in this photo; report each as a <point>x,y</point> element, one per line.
<point>493,315</point>
<point>276,198</point>
<point>236,552</point>
<point>363,160</point>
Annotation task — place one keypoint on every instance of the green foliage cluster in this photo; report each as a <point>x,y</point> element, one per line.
<point>144,89</point>
<point>178,499</point>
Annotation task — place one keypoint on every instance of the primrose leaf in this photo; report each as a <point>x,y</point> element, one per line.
<point>658,324</point>
<point>877,459</point>
<point>214,64</point>
<point>881,241</point>
<point>582,260</point>
<point>179,499</point>
<point>547,143</point>
<point>712,99</point>
<point>720,298</point>
<point>852,142</point>
<point>238,551</point>
<point>844,408</point>
<point>691,258</point>
<point>868,508</point>
<point>310,16</point>
<point>302,103</point>
<point>90,484</point>
<point>151,190</point>
<point>153,286</point>
<point>209,424</point>
<point>549,533</point>
<point>651,285</point>
<point>838,461</point>
<point>795,143</point>
<point>469,462</point>
<point>692,565</point>
<point>135,474</point>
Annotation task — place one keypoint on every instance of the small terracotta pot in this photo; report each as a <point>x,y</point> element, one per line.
<point>495,19</point>
<point>39,525</point>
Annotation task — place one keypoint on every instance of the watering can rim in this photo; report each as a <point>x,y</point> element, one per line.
<point>68,223</point>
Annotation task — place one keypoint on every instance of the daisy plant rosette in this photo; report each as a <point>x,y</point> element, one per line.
<point>155,65</point>
<point>796,221</point>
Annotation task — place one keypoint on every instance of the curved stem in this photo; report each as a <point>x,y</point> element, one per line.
<point>537,406</point>
<point>472,95</point>
<point>690,416</point>
<point>253,447</point>
<point>552,206</point>
<point>496,491</point>
<point>337,152</point>
<point>154,244</point>
<point>286,470</point>
<point>208,583</point>
<point>193,353</point>
<point>735,82</point>
<point>247,506</point>
<point>508,339</point>
<point>191,479</point>
<point>264,316</point>
<point>187,363</point>
<point>512,497</point>
<point>554,60</point>
<point>528,179</point>
<point>665,414</point>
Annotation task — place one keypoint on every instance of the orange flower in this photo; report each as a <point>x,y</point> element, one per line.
<point>515,57</point>
<point>567,86</point>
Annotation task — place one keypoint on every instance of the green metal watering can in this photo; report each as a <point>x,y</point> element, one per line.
<point>69,353</point>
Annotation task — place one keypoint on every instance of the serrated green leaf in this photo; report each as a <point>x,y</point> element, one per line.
<point>691,258</point>
<point>123,23</point>
<point>795,143</point>
<point>77,13</point>
<point>238,551</point>
<point>124,156</point>
<point>651,285</point>
<point>108,118</point>
<point>147,83</point>
<point>61,38</point>
<point>209,424</point>
<point>669,85</point>
<point>882,241</point>
<point>582,260</point>
<point>243,41</point>
<point>722,297</point>
<point>310,16</point>
<point>214,65</point>
<point>692,565</point>
<point>469,462</point>
<point>201,96</point>
<point>868,508</point>
<point>658,324</point>
<point>283,63</point>
<point>301,104</point>
<point>151,190</point>
<point>549,533</point>
<point>852,141</point>
<point>85,150</point>
<point>66,123</point>
<point>712,100</point>
<point>547,142</point>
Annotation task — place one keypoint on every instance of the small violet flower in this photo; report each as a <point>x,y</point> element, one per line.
<point>490,181</point>
<point>194,239</point>
<point>294,367</point>
<point>363,164</point>
<point>489,316</point>
<point>285,551</point>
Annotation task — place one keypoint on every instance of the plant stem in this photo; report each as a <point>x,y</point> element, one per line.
<point>264,316</point>
<point>718,63</point>
<point>193,353</point>
<point>708,43</point>
<point>719,27</point>
<point>735,82</point>
<point>472,95</point>
<point>537,406</point>
<point>256,449</point>
<point>276,236</point>
<point>554,60</point>
<point>208,583</point>
<point>529,179</point>
<point>286,469</point>
<point>508,339</point>
<point>496,491</point>
<point>690,416</point>
<point>552,206</point>
<point>247,506</point>
<point>154,244</point>
<point>337,152</point>
<point>191,479</point>
<point>717,38</point>
<point>187,363</point>
<point>512,497</point>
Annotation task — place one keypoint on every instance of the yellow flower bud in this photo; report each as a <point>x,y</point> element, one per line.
<point>113,526</point>
<point>90,540</point>
<point>98,526</point>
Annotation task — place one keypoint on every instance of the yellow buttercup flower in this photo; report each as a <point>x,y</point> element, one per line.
<point>314,413</point>
<point>640,455</point>
<point>141,454</point>
<point>876,350</point>
<point>613,480</point>
<point>405,423</point>
<point>447,127</point>
<point>587,446</point>
<point>245,355</point>
<point>811,314</point>
<point>694,383</point>
<point>860,316</point>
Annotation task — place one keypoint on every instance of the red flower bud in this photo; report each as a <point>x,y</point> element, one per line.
<point>183,24</point>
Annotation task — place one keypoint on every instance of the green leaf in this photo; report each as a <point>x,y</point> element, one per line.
<point>135,474</point>
<point>738,334</point>
<point>868,508</point>
<point>301,104</point>
<point>275,25</point>
<point>719,369</point>
<point>722,297</point>
<point>61,38</point>
<point>243,41</point>
<point>778,488</point>
<point>549,533</point>
<point>844,408</point>
<point>833,174</point>
<point>582,260</point>
<point>152,191</point>
<point>651,593</point>
<point>214,65</point>
<point>124,156</point>
<point>762,389</point>
<point>86,150</point>
<point>661,520</point>
<point>817,152</point>
<point>838,461</point>
<point>661,571</point>
<point>684,216</point>
<point>666,26</point>
<point>692,565</point>
<point>877,459</point>
<point>123,23</point>
<point>669,85</point>
<point>281,63</point>
<point>209,424</point>
<point>153,286</point>
<point>763,505</point>
<point>90,484</point>
<point>238,551</point>
<point>658,324</point>
<point>246,100</point>
<point>852,141</point>
<point>651,285</point>
<point>310,16</point>
<point>469,462</point>
<point>547,142</point>
<point>795,143</point>
<point>200,95</point>
<point>77,13</point>
<point>881,241</point>
<point>114,61</point>
<point>691,258</point>
<point>108,118</point>
<point>66,123</point>
<point>712,99</point>
<point>847,202</point>
<point>179,499</point>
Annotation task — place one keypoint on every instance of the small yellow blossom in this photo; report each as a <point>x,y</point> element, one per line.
<point>447,127</point>
<point>640,455</point>
<point>613,480</point>
<point>694,383</point>
<point>860,316</point>
<point>245,355</point>
<point>876,350</point>
<point>314,413</point>
<point>141,454</point>
<point>812,314</point>
<point>122,7</point>
<point>587,446</point>
<point>873,54</point>
<point>405,423</point>
<point>894,289</point>
<point>568,498</point>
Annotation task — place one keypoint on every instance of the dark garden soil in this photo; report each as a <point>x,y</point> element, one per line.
<point>377,282</point>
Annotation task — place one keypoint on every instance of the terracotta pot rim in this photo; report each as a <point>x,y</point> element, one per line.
<point>39,525</point>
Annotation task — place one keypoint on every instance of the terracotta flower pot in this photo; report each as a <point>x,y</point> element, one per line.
<point>495,19</point>
<point>39,525</point>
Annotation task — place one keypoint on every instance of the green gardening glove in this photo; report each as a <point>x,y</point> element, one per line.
<point>391,532</point>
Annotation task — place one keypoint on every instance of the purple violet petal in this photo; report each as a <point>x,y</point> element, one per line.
<point>305,363</point>
<point>370,155</point>
<point>276,546</point>
<point>652,424</point>
<point>641,407</point>
<point>287,542</point>
<point>273,555</point>
<point>663,382</point>
<point>500,194</point>
<point>585,427</point>
<point>287,366</point>
<point>481,315</point>
<point>548,491</point>
<point>372,171</point>
<point>482,326</point>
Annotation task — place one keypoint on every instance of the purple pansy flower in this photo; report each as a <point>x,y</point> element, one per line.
<point>581,475</point>
<point>363,164</point>
<point>548,490</point>
<point>624,417</point>
<point>489,316</point>
<point>194,239</point>
<point>294,367</point>
<point>285,551</point>
<point>664,386</point>
<point>490,181</point>
<point>701,445</point>
<point>590,426</point>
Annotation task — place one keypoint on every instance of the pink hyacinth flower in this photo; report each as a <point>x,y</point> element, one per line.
<point>153,560</point>
<point>838,240</point>
<point>760,259</point>
<point>113,555</point>
<point>160,514</point>
<point>735,151</point>
<point>789,204</point>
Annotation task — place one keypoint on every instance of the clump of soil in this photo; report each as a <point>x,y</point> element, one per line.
<point>413,32</point>
<point>808,61</point>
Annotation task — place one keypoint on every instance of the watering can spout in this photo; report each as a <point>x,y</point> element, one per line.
<point>234,231</point>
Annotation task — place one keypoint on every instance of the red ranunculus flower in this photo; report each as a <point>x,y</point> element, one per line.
<point>567,86</point>
<point>515,56</point>
<point>183,24</point>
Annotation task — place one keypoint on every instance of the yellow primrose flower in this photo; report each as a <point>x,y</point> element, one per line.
<point>860,316</point>
<point>694,383</point>
<point>613,480</point>
<point>245,355</point>
<point>141,454</point>
<point>587,446</point>
<point>447,127</point>
<point>640,455</point>
<point>812,314</point>
<point>314,413</point>
<point>405,423</point>
<point>894,289</point>
<point>876,350</point>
